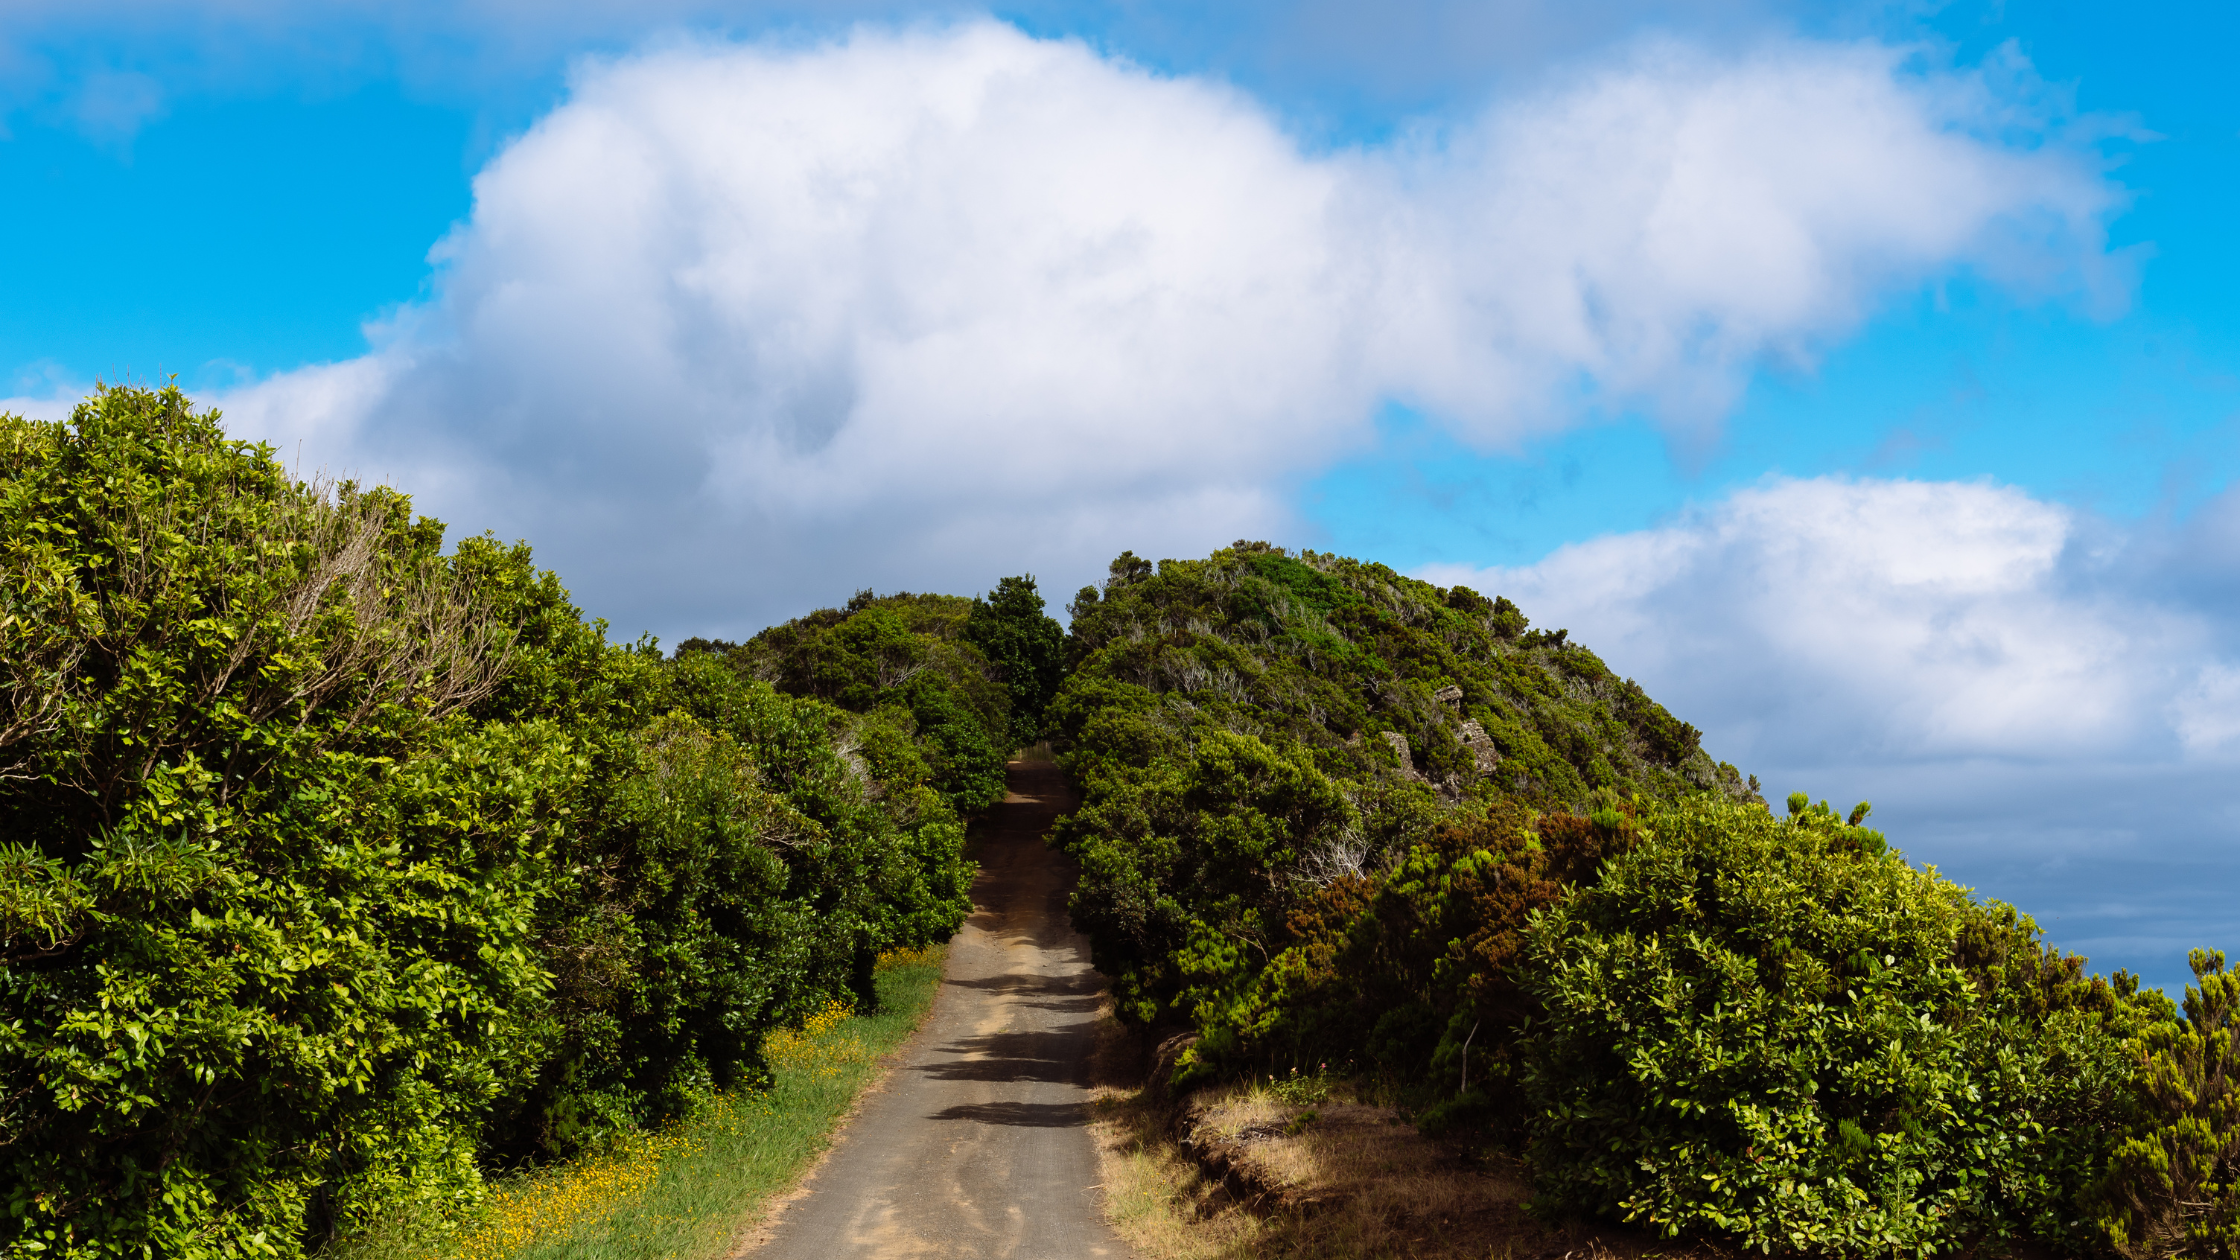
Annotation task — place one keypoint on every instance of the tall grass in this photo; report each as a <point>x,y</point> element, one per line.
<point>688,1191</point>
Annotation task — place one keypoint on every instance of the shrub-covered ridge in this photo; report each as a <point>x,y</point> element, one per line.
<point>337,868</point>
<point>1333,815</point>
<point>1257,733</point>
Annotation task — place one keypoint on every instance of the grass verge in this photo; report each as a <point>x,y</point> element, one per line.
<point>692,1190</point>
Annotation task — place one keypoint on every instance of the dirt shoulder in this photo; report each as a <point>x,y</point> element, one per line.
<point>1299,1169</point>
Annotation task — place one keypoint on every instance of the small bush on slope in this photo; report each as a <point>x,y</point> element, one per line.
<point>1778,1032</point>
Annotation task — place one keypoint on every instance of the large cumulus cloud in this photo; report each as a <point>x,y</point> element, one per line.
<point>2040,700</point>
<point>738,328</point>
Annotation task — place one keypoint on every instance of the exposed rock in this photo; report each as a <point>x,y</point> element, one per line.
<point>1481,747</point>
<point>1399,744</point>
<point>1164,1061</point>
<point>1448,695</point>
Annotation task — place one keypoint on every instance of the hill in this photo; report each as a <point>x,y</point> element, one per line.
<point>1263,737</point>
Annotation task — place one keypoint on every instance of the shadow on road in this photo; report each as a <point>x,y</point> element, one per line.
<point>1073,995</point>
<point>1040,1055</point>
<point>979,1148</point>
<point>1020,1114</point>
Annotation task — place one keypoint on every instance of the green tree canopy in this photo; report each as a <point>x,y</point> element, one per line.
<point>910,662</point>
<point>1026,647</point>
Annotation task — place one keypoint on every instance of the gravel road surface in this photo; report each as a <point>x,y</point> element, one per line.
<point>978,1144</point>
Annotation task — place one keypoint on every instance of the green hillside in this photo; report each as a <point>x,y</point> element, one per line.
<point>1339,820</point>
<point>1336,657</point>
<point>1252,727</point>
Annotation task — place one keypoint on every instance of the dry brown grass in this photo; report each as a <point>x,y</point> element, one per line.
<point>1239,1171</point>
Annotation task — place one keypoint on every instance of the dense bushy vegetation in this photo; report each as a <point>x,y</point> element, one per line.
<point>1335,815</point>
<point>1780,1031</point>
<point>962,682</point>
<point>336,868</point>
<point>2173,1183</point>
<point>1263,737</point>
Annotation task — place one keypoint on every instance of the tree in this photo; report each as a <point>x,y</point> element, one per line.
<point>2173,1184</point>
<point>1026,647</point>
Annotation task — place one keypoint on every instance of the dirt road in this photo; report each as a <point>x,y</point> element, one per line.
<point>978,1146</point>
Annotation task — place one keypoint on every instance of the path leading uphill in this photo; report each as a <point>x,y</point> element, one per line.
<point>978,1145</point>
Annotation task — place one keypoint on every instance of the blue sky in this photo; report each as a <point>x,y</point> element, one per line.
<point>1716,331</point>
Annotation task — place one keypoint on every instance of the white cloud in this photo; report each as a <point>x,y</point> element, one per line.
<point>1880,619</point>
<point>2207,713</point>
<point>1656,230</point>
<point>39,408</point>
<point>764,323</point>
<point>46,392</point>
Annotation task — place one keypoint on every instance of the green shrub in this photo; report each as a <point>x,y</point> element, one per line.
<point>1780,1033</point>
<point>1417,974</point>
<point>1175,891</point>
<point>269,892</point>
<point>2173,1183</point>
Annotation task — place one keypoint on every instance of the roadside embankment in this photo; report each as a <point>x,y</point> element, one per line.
<point>1312,1168</point>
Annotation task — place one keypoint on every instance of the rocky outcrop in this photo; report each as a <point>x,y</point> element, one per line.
<point>1399,744</point>
<point>1481,747</point>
